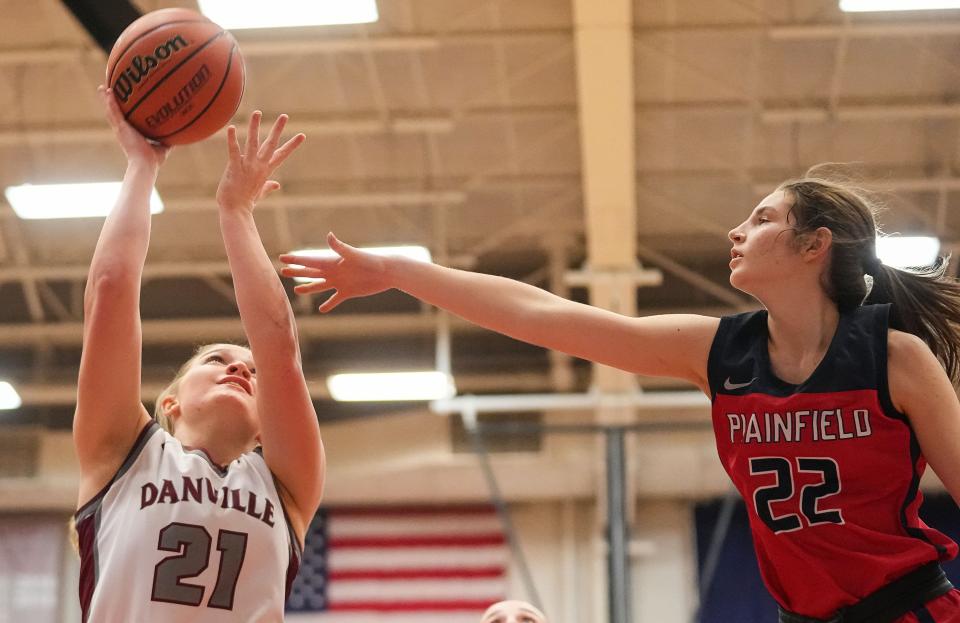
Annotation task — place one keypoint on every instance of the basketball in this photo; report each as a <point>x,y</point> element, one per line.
<point>177,76</point>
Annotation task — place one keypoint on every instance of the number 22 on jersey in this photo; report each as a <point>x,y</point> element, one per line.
<point>806,502</point>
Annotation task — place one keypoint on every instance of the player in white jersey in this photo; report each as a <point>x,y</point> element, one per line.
<point>203,521</point>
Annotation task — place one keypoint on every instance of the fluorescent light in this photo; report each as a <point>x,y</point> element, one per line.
<point>9,399</point>
<point>237,14</point>
<point>420,254</point>
<point>855,6</point>
<point>48,201</point>
<point>391,386</point>
<point>908,251</point>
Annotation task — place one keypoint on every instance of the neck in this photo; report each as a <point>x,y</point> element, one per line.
<point>221,449</point>
<point>801,322</point>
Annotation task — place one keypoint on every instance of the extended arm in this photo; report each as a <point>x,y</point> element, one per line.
<point>290,434</point>
<point>674,345</point>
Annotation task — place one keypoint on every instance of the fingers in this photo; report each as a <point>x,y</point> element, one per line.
<point>301,271</point>
<point>317,287</point>
<point>273,138</point>
<point>268,187</point>
<point>291,258</point>
<point>253,135</point>
<point>314,287</point>
<point>308,261</point>
<point>339,247</point>
<point>331,303</point>
<point>233,145</point>
<point>286,149</point>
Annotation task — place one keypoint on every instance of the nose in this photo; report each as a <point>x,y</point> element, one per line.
<point>238,368</point>
<point>735,235</point>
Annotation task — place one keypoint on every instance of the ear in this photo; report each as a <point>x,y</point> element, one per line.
<point>171,408</point>
<point>817,244</point>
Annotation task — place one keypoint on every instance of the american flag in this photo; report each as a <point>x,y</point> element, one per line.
<point>399,565</point>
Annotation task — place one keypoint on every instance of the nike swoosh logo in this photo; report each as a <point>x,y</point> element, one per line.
<point>727,385</point>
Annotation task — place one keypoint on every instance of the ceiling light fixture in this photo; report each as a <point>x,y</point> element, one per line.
<point>50,201</point>
<point>391,386</point>
<point>908,251</point>
<point>9,398</point>
<point>238,14</point>
<point>864,6</point>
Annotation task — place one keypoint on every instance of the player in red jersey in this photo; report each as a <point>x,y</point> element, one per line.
<point>826,405</point>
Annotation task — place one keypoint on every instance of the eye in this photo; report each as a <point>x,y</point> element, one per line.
<point>216,358</point>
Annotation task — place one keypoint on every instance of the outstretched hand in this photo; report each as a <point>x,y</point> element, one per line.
<point>352,274</point>
<point>134,145</point>
<point>246,179</point>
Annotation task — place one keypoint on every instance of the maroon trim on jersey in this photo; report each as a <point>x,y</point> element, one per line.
<point>87,520</point>
<point>87,536</point>
<point>220,470</point>
<point>293,568</point>
<point>295,549</point>
<point>148,430</point>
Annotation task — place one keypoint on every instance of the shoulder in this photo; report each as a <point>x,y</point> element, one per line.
<point>905,349</point>
<point>912,368</point>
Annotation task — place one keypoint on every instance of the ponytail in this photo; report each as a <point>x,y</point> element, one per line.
<point>926,303</point>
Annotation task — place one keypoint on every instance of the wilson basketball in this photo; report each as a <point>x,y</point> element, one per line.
<point>177,76</point>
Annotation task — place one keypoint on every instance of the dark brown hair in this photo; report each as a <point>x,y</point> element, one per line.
<point>924,301</point>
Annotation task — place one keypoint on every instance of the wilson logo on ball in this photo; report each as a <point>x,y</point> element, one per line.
<point>176,76</point>
<point>140,66</point>
<point>181,100</point>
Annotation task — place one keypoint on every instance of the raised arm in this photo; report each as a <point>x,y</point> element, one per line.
<point>290,435</point>
<point>674,345</point>
<point>109,412</point>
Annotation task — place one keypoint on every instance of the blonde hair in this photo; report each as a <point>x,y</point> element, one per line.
<point>171,389</point>
<point>159,415</point>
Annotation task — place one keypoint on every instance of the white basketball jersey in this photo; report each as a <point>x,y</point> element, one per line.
<point>174,538</point>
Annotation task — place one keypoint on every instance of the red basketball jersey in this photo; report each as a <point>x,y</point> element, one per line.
<point>829,469</point>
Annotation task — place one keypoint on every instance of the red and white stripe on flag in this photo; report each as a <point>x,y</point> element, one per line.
<point>399,564</point>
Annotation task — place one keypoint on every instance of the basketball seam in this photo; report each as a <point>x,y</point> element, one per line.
<point>226,74</point>
<point>173,71</point>
<point>144,34</point>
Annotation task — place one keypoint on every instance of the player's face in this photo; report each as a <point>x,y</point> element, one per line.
<point>512,612</point>
<point>223,383</point>
<point>763,245</point>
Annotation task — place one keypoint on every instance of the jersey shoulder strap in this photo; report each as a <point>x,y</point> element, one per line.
<point>733,351</point>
